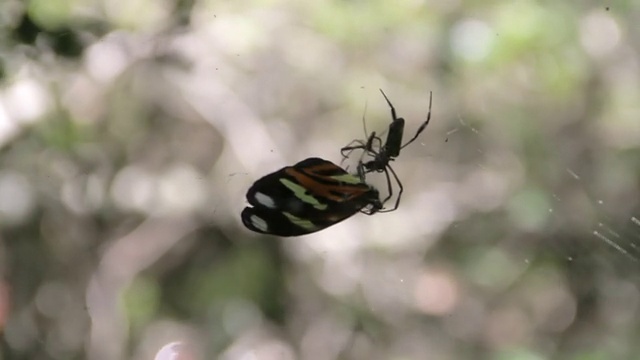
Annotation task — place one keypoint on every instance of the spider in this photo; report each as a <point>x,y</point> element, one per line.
<point>382,154</point>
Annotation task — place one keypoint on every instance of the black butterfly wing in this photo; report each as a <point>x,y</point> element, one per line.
<point>304,198</point>
<point>271,222</point>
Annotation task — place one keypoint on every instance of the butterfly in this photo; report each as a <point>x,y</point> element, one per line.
<point>382,154</point>
<point>307,197</point>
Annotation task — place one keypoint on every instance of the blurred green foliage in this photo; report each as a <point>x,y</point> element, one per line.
<point>131,130</point>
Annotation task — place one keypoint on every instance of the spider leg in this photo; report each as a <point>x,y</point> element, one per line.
<point>400,188</point>
<point>347,150</point>
<point>424,124</point>
<point>370,146</point>
<point>389,187</point>
<point>393,110</point>
<point>359,145</point>
<point>378,146</point>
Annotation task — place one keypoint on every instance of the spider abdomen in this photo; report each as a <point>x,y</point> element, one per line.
<point>394,138</point>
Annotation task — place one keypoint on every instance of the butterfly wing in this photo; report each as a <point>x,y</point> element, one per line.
<point>304,198</point>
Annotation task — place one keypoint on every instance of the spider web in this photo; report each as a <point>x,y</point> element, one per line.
<point>622,237</point>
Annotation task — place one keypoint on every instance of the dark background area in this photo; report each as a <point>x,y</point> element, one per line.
<point>131,130</point>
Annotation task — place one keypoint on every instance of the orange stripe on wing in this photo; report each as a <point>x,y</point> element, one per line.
<point>324,167</point>
<point>346,192</point>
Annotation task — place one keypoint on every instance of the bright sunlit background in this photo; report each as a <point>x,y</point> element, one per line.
<point>130,131</point>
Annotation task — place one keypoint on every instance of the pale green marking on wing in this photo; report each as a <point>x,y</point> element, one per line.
<point>347,178</point>
<point>305,224</point>
<point>301,193</point>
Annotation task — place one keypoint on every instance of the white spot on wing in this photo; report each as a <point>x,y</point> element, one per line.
<point>265,200</point>
<point>259,223</point>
